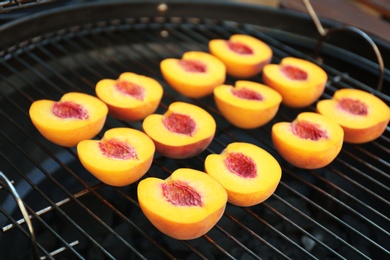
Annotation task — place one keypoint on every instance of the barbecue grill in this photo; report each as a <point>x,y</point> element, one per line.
<point>52,207</point>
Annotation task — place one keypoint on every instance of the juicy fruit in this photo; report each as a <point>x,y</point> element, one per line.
<point>248,173</point>
<point>248,104</point>
<point>184,206</point>
<point>185,130</point>
<point>180,193</point>
<point>66,122</point>
<point>244,55</point>
<point>180,124</point>
<point>300,82</point>
<point>311,141</point>
<point>120,158</point>
<point>69,109</point>
<point>195,75</point>
<point>363,116</point>
<point>131,97</point>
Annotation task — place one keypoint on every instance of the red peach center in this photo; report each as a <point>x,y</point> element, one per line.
<point>240,164</point>
<point>69,109</point>
<point>179,193</point>
<point>193,66</point>
<point>117,149</point>
<point>246,93</point>
<point>131,89</point>
<point>180,124</point>
<point>308,130</point>
<point>240,48</point>
<point>294,73</point>
<point>353,106</point>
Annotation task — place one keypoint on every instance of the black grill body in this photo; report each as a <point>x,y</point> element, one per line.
<point>340,211</point>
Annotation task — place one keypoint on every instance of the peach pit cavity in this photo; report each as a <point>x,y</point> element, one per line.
<point>241,164</point>
<point>239,48</point>
<point>180,193</point>
<point>294,73</point>
<point>180,124</point>
<point>193,66</point>
<point>246,93</point>
<point>130,89</point>
<point>69,109</point>
<point>308,130</point>
<point>353,106</point>
<point>117,149</point>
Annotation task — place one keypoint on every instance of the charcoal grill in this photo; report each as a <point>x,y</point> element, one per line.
<point>340,211</point>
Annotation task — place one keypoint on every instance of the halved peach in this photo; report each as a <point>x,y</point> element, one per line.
<point>131,97</point>
<point>244,55</point>
<point>248,173</point>
<point>120,158</point>
<point>74,118</point>
<point>247,105</point>
<point>185,130</point>
<point>184,206</point>
<point>195,75</point>
<point>311,141</point>
<point>300,82</point>
<point>363,116</point>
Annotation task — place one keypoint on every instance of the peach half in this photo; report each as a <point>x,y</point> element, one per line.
<point>247,105</point>
<point>131,97</point>
<point>195,75</point>
<point>249,174</point>
<point>363,116</point>
<point>75,117</point>
<point>184,131</point>
<point>300,82</point>
<point>120,158</point>
<point>184,206</point>
<point>244,55</point>
<point>311,141</point>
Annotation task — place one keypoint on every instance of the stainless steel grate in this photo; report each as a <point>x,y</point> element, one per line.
<point>341,211</point>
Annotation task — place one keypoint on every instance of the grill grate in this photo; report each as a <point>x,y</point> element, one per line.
<point>16,5</point>
<point>336,212</point>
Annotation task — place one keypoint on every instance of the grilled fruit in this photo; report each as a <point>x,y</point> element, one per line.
<point>120,158</point>
<point>311,141</point>
<point>185,130</point>
<point>249,174</point>
<point>363,116</point>
<point>131,97</point>
<point>195,75</point>
<point>184,206</point>
<point>244,55</point>
<point>74,118</point>
<point>300,82</point>
<point>247,105</point>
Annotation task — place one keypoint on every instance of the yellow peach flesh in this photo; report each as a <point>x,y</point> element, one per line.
<point>127,107</point>
<point>194,84</point>
<point>239,65</point>
<point>305,152</point>
<point>183,221</point>
<point>69,132</point>
<point>246,113</point>
<point>244,191</point>
<point>296,93</point>
<point>357,128</point>
<point>114,171</point>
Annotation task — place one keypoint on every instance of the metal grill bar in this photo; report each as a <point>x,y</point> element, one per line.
<point>77,58</point>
